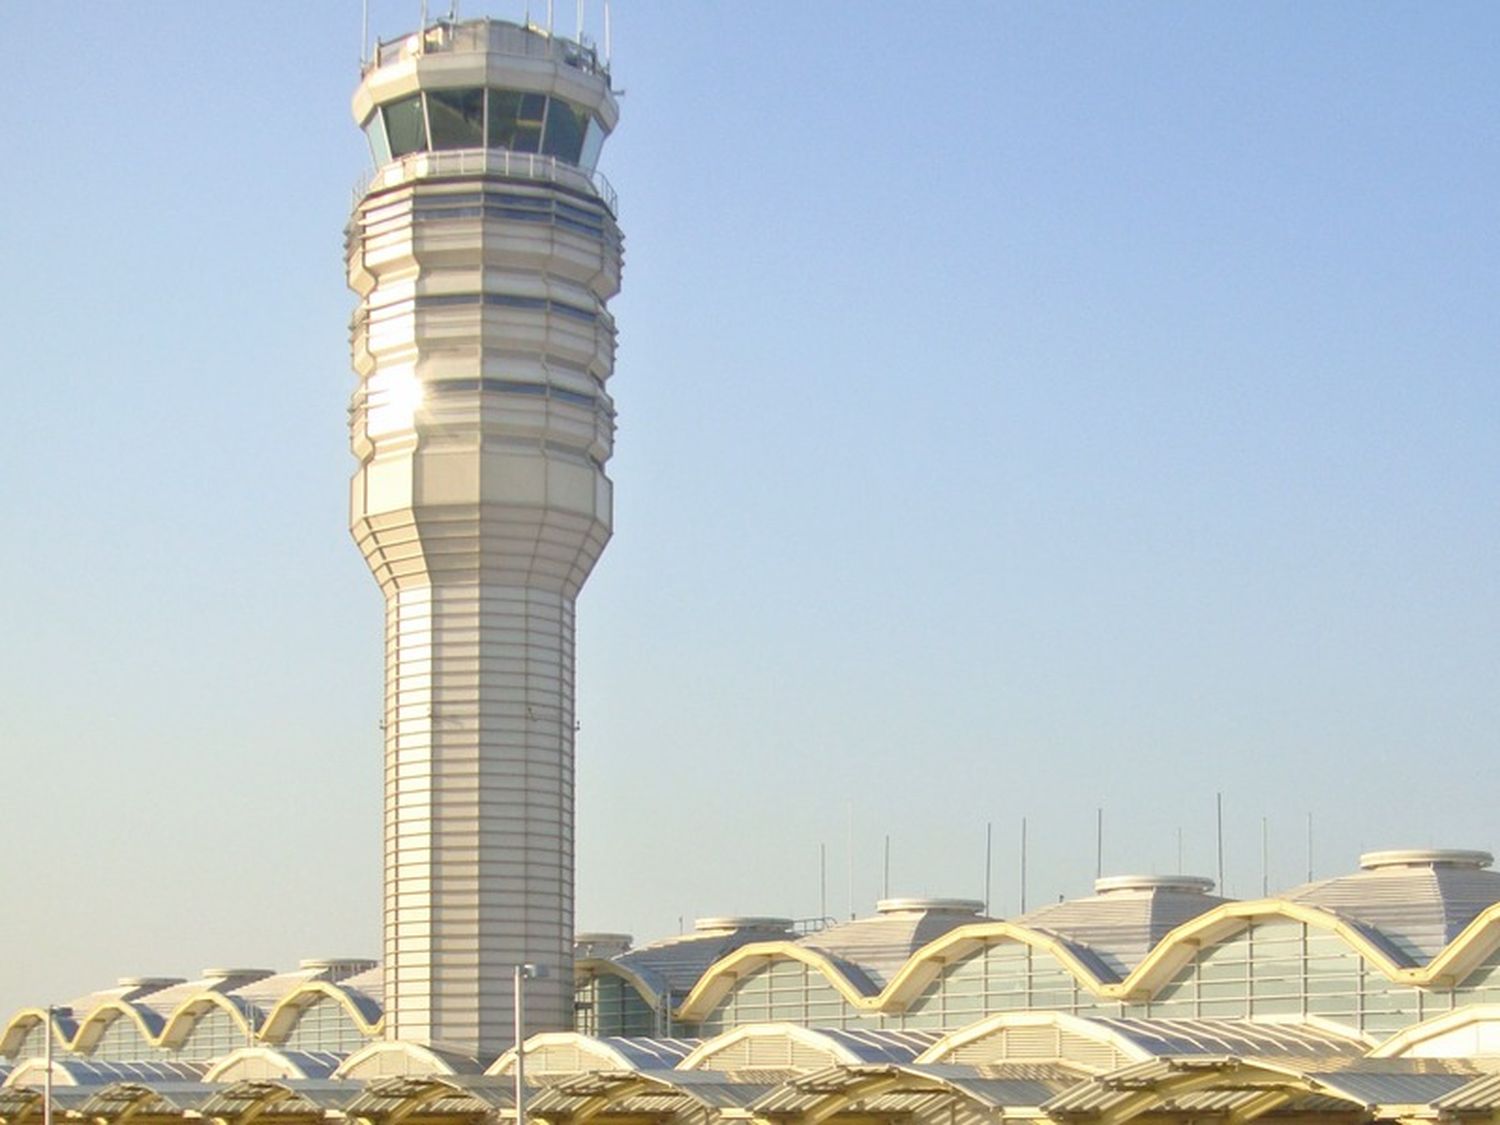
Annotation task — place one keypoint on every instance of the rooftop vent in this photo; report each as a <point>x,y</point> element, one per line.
<point>929,906</point>
<point>600,944</point>
<point>1425,857</point>
<point>148,982</point>
<point>741,922</point>
<point>233,974</point>
<point>1186,884</point>
<point>336,967</point>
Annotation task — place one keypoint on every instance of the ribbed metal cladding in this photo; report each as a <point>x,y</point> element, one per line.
<point>481,425</point>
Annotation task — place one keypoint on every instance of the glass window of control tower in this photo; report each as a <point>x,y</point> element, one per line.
<point>405,125</point>
<point>516,120</point>
<point>380,148</point>
<point>566,126</point>
<point>457,118</point>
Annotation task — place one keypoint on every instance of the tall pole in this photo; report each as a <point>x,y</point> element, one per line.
<point>989,854</point>
<point>1309,848</point>
<point>851,861</point>
<point>518,1007</point>
<point>886,892</point>
<point>1219,826</point>
<point>1023,865</point>
<point>1265,859</point>
<point>1099,844</point>
<point>47,1080</point>
<point>822,883</point>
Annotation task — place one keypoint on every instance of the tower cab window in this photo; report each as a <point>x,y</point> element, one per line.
<point>460,118</point>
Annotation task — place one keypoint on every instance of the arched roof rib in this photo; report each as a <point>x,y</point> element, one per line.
<point>174,1029</point>
<point>1243,1089</point>
<point>269,1064</point>
<point>654,1093</point>
<point>886,1089</point>
<point>399,1097</point>
<point>650,987</point>
<point>263,1098</point>
<point>607,1052</point>
<point>1418,902</point>
<point>63,1028</point>
<point>778,1046</point>
<point>1100,1043</point>
<point>672,965</point>
<point>1456,960</point>
<point>93,1072</point>
<point>362,1009</point>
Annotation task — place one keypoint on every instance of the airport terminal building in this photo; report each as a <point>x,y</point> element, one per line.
<point>483,251</point>
<point>1371,995</point>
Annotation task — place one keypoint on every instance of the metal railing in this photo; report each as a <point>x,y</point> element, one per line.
<point>806,926</point>
<point>487,162</point>
<point>493,36</point>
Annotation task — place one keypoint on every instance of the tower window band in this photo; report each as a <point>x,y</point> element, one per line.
<point>478,118</point>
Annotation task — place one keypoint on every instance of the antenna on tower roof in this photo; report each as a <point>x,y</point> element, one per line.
<point>549,18</point>
<point>579,37</point>
<point>607,49</point>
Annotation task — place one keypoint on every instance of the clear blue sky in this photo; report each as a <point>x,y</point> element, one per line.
<point>1023,409</point>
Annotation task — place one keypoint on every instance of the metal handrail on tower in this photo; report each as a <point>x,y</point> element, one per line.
<point>487,162</point>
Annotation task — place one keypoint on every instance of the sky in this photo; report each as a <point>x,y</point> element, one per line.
<point>1024,410</point>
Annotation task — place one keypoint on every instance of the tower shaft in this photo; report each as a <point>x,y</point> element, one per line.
<point>483,252</point>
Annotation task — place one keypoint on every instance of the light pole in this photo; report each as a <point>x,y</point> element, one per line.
<point>47,1080</point>
<point>518,1007</point>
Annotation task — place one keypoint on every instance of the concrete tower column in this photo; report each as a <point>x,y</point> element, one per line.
<point>483,252</point>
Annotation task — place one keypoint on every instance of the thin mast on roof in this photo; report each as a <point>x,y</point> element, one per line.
<point>989,853</point>
<point>1023,865</point>
<point>1265,859</point>
<point>823,882</point>
<point>1099,843</point>
<point>1219,824</point>
<point>1309,848</point>
<point>579,36</point>
<point>607,49</point>
<point>851,839</point>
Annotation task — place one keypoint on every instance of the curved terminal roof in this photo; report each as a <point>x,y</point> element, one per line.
<point>165,1010</point>
<point>1414,901</point>
<point>674,964</point>
<point>1100,1043</point>
<point>1125,918</point>
<point>95,1072</point>
<point>550,1052</point>
<point>788,1047</point>
<point>870,951</point>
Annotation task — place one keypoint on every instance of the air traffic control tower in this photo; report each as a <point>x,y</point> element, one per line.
<point>483,252</point>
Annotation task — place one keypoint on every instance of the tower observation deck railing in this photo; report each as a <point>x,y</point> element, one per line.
<point>487,162</point>
<point>495,37</point>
